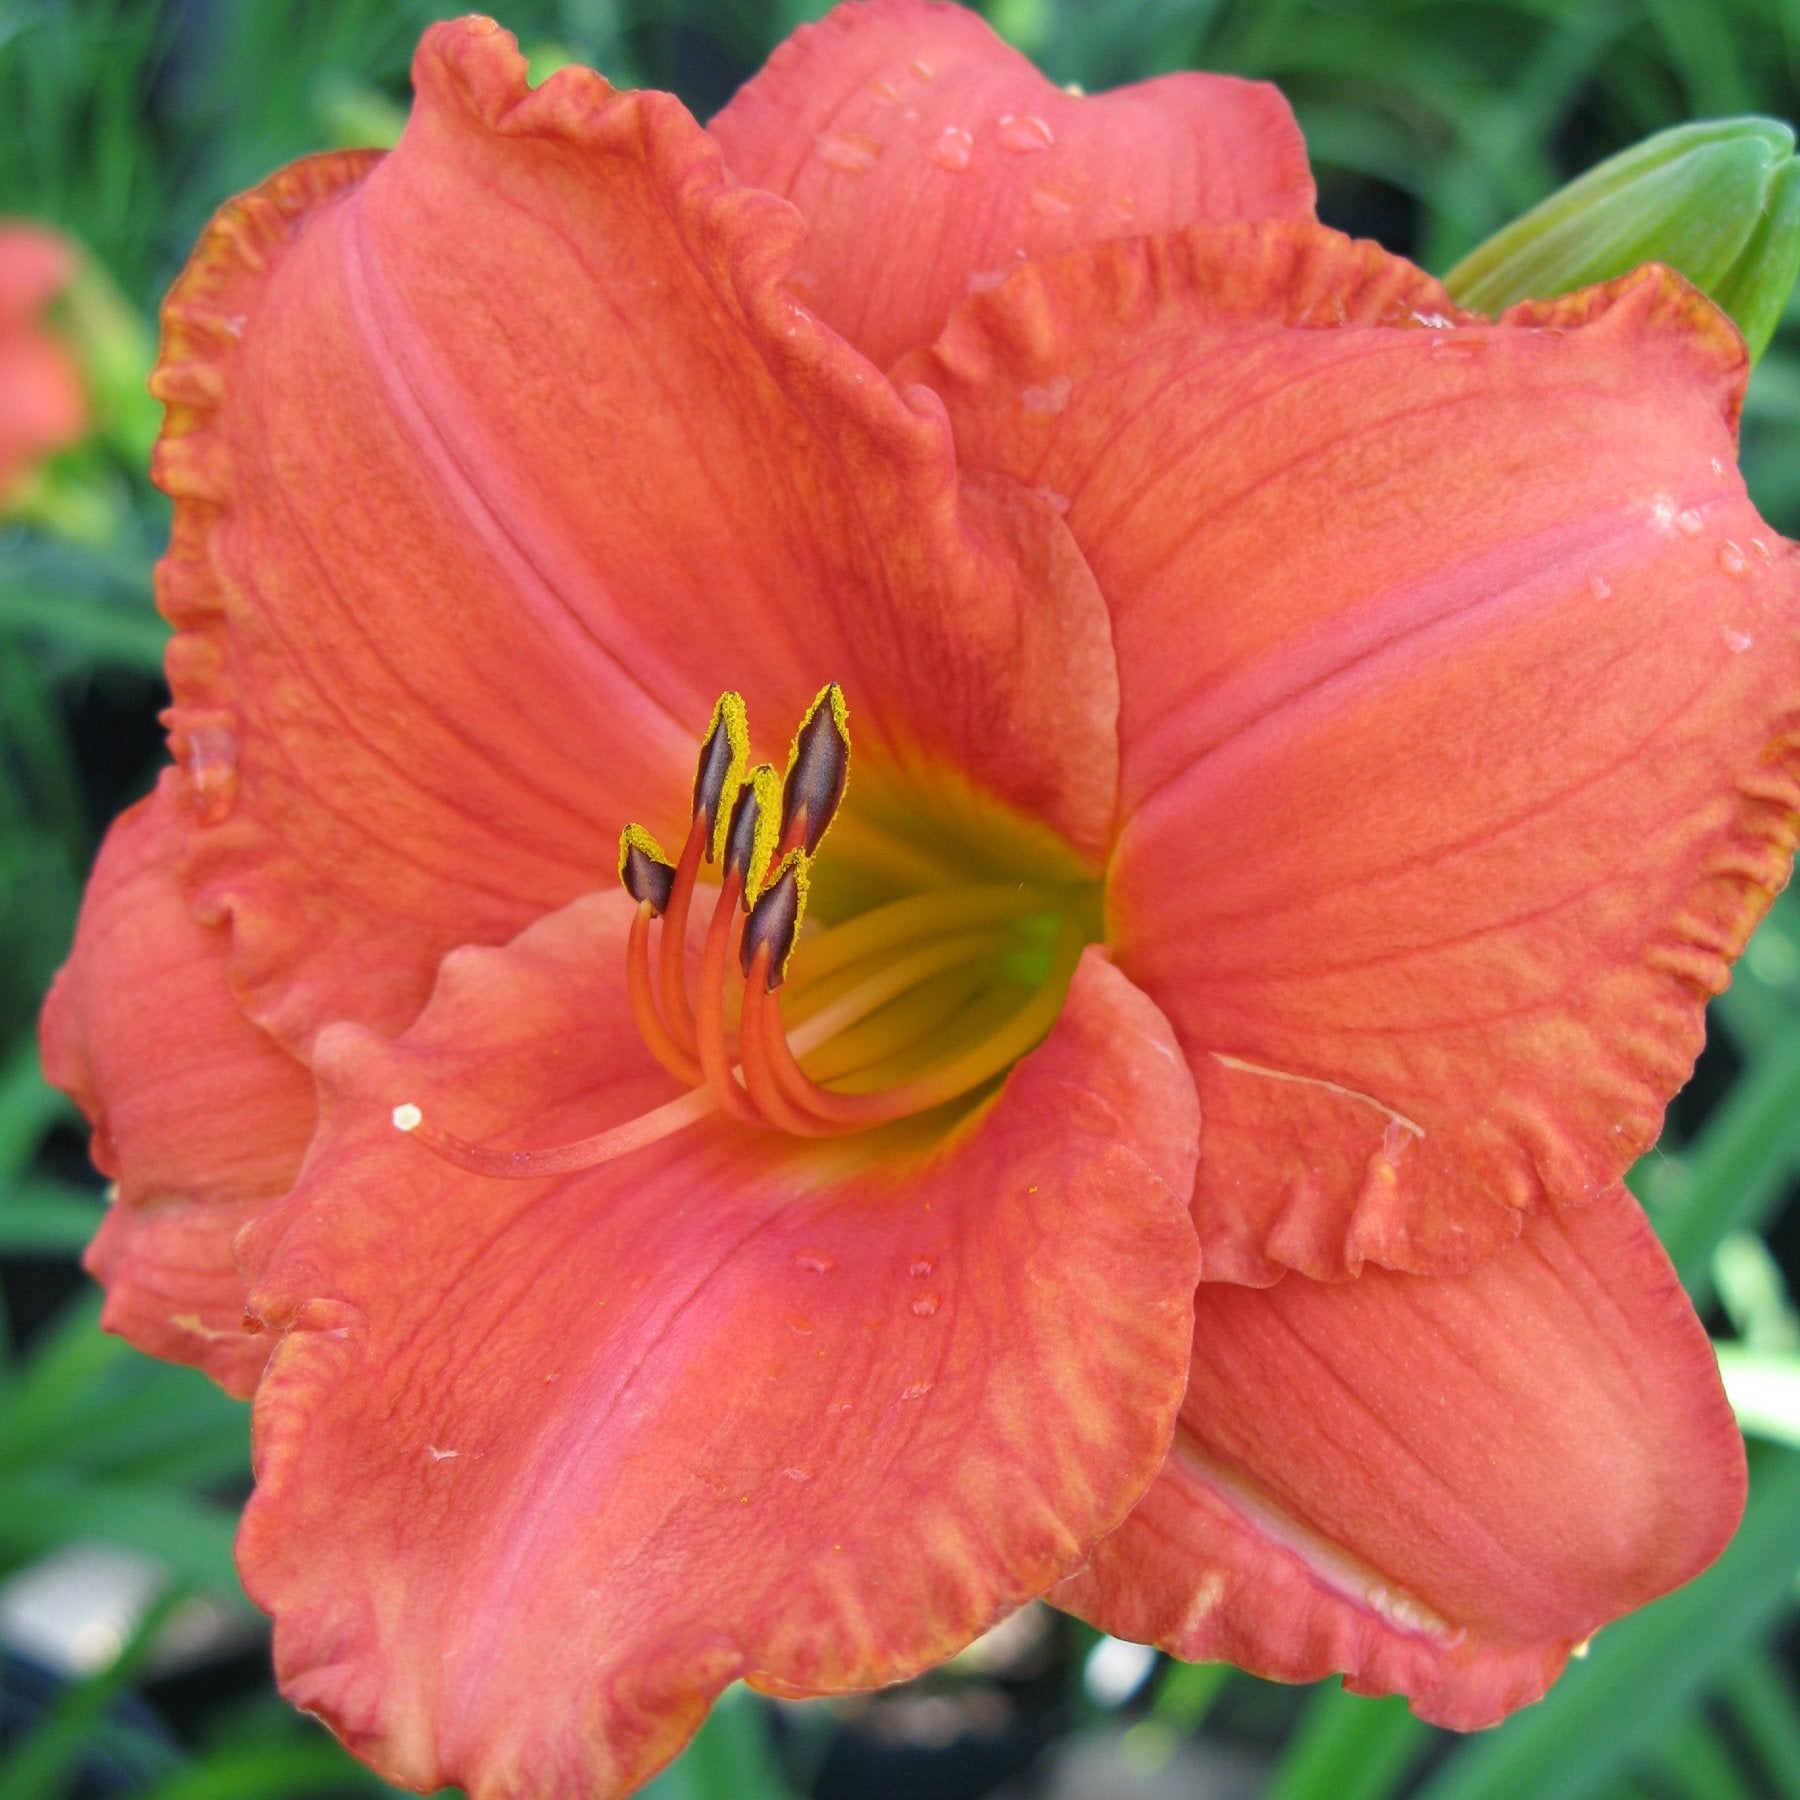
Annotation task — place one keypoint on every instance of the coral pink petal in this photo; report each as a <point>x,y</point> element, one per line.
<point>929,158</point>
<point>542,1465</point>
<point>496,460</point>
<point>42,406</point>
<point>1459,684</point>
<point>1438,1486</point>
<point>199,1117</point>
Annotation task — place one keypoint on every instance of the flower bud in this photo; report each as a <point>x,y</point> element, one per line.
<point>1718,201</point>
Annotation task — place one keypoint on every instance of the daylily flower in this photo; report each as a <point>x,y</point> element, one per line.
<point>1311,754</point>
<point>41,404</point>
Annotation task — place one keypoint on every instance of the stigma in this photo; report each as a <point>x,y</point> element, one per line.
<point>785,1026</point>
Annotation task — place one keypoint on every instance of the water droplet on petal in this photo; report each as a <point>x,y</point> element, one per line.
<point>1689,523</point>
<point>1024,133</point>
<point>985,280</point>
<point>815,1262</point>
<point>953,149</point>
<point>923,1266</point>
<point>1053,202</point>
<point>797,1322</point>
<point>1762,550</point>
<point>925,1305</point>
<point>1058,503</point>
<point>796,1473</point>
<point>884,93</point>
<point>1600,588</point>
<point>209,756</point>
<point>1737,642</point>
<point>848,151</point>
<point>1732,559</point>
<point>1124,206</point>
<point>918,1390</point>
<point>922,69</point>
<point>1051,397</point>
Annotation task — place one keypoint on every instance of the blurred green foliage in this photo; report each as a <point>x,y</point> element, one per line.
<point>1432,123</point>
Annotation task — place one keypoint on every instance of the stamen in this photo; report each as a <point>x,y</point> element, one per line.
<point>662,1045</point>
<point>747,848</point>
<point>774,920</point>
<point>759,1077</point>
<point>717,775</point>
<point>920,993</point>
<point>818,771</point>
<point>949,1081</point>
<point>720,771</point>
<point>645,869</point>
<point>672,958</point>
<point>750,832</point>
<point>890,982</point>
<point>886,927</point>
<point>564,1159</point>
<point>715,1056</point>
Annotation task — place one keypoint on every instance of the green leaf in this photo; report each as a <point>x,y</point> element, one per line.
<point>1763,1704</point>
<point>40,1512</point>
<point>1719,201</point>
<point>1349,1748</point>
<point>730,1758</point>
<point>46,1217</point>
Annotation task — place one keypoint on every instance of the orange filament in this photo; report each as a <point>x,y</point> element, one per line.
<point>656,1035</point>
<point>970,1068</point>
<point>672,968</point>
<point>913,992</point>
<point>715,1056</point>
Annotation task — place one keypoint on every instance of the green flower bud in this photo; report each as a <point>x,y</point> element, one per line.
<point>1719,201</point>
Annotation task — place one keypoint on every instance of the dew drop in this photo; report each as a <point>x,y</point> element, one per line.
<point>1689,523</point>
<point>235,324</point>
<point>815,1262</point>
<point>1124,206</point>
<point>983,281</point>
<point>210,758</point>
<point>918,1390</point>
<point>1600,588</point>
<point>796,1473</point>
<point>1052,397</point>
<point>1058,503</point>
<point>848,151</point>
<point>922,69</point>
<point>1731,558</point>
<point>1737,642</point>
<point>884,93</point>
<point>1052,201</point>
<point>1024,133</point>
<point>925,1305</point>
<point>798,1322</point>
<point>1762,550</point>
<point>923,1266</point>
<point>953,150</point>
